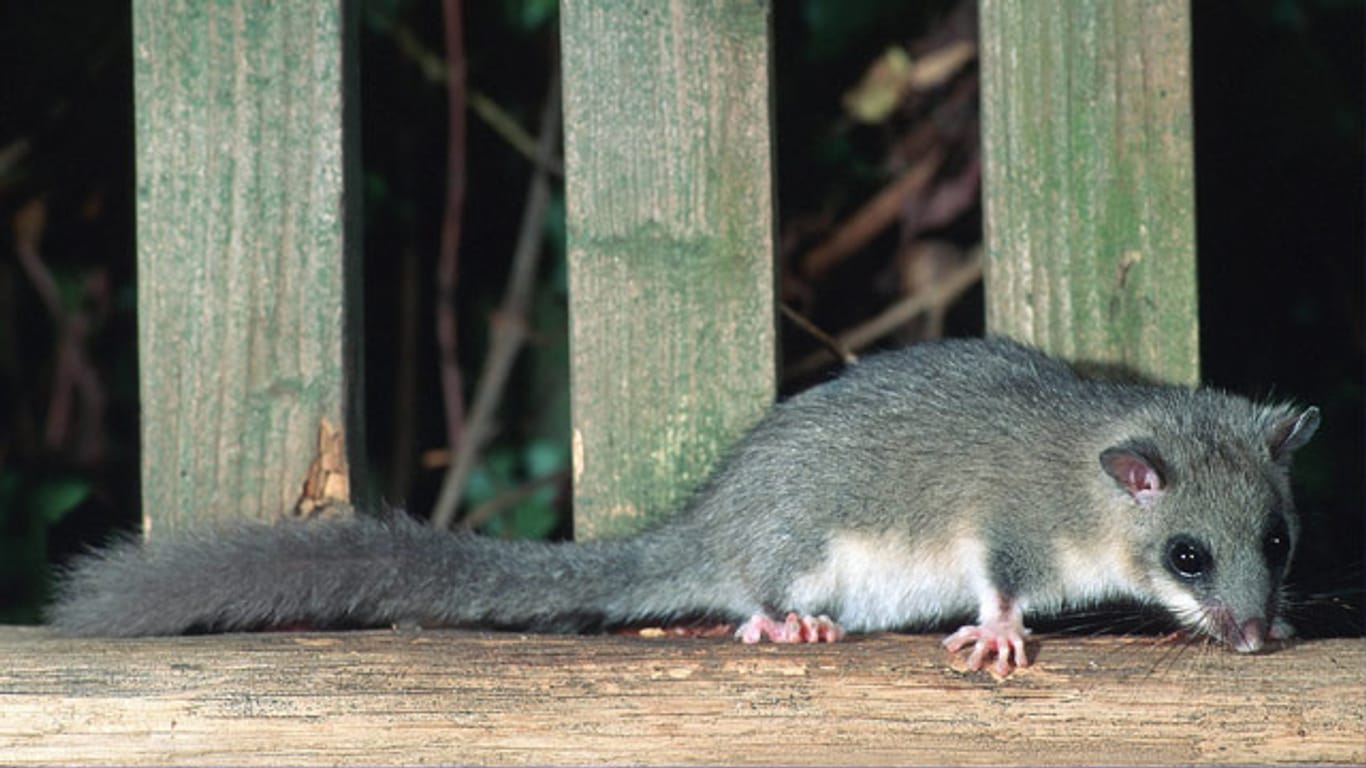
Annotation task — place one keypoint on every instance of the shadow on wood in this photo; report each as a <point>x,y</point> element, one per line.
<point>466,697</point>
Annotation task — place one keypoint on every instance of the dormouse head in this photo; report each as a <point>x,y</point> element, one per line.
<point>1216,521</point>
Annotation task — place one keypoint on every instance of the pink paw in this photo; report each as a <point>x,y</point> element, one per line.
<point>1004,639</point>
<point>793,629</point>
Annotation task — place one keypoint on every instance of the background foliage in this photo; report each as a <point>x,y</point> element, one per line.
<point>1279,202</point>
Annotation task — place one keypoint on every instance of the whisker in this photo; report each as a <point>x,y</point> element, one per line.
<point>1334,611</point>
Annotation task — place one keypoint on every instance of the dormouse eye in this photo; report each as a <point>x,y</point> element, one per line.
<point>1276,543</point>
<point>1188,558</point>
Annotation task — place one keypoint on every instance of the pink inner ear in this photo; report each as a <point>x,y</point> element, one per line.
<point>1138,477</point>
<point>1141,478</point>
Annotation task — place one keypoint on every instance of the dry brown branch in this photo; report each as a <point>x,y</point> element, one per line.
<point>78,399</point>
<point>508,326</point>
<point>875,215</point>
<point>448,261</point>
<point>29,223</point>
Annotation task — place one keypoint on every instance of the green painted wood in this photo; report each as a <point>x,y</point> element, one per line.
<point>245,241</point>
<point>670,217</point>
<point>1088,182</point>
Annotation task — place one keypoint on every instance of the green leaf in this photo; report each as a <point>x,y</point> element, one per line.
<point>530,15</point>
<point>55,498</point>
<point>533,519</point>
<point>545,457</point>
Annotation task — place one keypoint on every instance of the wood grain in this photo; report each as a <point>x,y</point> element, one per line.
<point>670,223</point>
<point>1088,183</point>
<point>477,698</point>
<point>247,252</point>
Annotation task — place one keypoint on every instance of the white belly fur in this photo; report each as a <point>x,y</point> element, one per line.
<point>872,583</point>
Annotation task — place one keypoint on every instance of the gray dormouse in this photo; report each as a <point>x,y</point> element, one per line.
<point>953,480</point>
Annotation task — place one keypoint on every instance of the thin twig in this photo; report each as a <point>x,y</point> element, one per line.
<point>832,344</point>
<point>507,500</point>
<point>940,294</point>
<point>448,261</point>
<point>29,223</point>
<point>12,154</point>
<point>509,325</point>
<point>77,402</point>
<point>485,108</point>
<point>503,124</point>
<point>873,217</point>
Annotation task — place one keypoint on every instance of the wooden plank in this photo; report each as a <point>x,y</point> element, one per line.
<point>670,236</point>
<point>479,698</point>
<point>246,242</point>
<point>1089,182</point>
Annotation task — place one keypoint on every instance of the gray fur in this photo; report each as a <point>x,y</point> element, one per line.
<point>908,458</point>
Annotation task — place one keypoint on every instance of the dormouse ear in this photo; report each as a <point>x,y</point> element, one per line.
<point>1138,473</point>
<point>1290,432</point>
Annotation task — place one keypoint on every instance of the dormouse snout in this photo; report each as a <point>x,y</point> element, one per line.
<point>1250,637</point>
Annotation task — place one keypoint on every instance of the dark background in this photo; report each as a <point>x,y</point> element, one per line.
<point>1278,115</point>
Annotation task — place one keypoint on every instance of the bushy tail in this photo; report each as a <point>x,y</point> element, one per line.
<point>365,572</point>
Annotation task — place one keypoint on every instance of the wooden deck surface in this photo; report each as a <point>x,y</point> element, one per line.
<point>453,697</point>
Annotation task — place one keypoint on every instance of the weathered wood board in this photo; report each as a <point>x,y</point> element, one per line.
<point>248,258</point>
<point>481,698</point>
<point>670,219</point>
<point>1088,181</point>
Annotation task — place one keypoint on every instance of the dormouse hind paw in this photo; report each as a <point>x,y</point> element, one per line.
<point>793,629</point>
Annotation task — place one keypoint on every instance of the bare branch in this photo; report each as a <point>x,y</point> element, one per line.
<point>509,325</point>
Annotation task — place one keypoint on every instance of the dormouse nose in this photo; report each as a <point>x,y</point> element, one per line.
<point>1251,636</point>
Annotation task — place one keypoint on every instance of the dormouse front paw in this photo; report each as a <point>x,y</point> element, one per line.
<point>1003,639</point>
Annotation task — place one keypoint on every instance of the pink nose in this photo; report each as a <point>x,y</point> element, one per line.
<point>1251,636</point>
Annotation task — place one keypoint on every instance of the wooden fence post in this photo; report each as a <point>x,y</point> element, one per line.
<point>670,219</point>
<point>248,330</point>
<point>1089,183</point>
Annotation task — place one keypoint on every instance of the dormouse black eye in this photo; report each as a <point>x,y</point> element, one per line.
<point>1276,543</point>
<point>1188,558</point>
